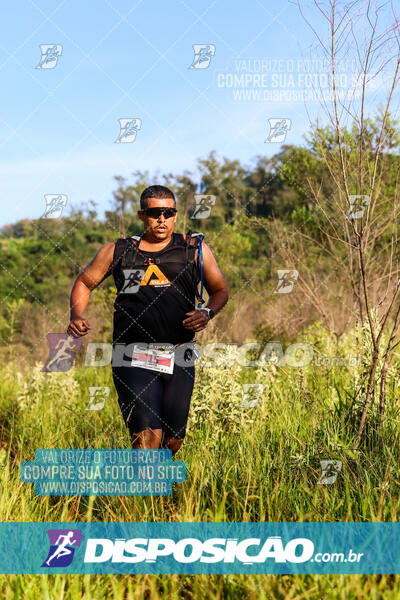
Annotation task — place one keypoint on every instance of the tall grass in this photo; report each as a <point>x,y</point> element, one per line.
<point>243,464</point>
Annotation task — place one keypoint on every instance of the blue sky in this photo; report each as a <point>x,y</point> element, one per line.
<point>131,59</point>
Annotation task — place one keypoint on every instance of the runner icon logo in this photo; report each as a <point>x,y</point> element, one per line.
<point>63,543</point>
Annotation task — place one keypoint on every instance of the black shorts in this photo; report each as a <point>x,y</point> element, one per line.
<point>152,400</point>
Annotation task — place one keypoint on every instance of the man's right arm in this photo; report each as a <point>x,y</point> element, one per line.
<point>91,276</point>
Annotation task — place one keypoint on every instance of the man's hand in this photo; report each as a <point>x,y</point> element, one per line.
<point>197,320</point>
<point>78,326</point>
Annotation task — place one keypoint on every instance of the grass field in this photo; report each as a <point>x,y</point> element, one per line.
<point>243,464</point>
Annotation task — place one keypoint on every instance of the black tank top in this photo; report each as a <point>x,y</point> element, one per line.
<point>154,291</point>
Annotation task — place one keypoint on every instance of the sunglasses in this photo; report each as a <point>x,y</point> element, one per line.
<point>154,213</point>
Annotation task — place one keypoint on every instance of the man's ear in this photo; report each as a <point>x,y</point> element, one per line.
<point>141,215</point>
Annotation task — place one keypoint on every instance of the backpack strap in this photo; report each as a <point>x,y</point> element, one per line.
<point>118,257</point>
<point>119,253</point>
<point>193,243</point>
<point>133,246</point>
<point>123,247</point>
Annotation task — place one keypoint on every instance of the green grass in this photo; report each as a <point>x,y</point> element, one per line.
<point>256,464</point>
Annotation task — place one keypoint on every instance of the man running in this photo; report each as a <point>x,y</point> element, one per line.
<point>156,276</point>
<point>62,547</point>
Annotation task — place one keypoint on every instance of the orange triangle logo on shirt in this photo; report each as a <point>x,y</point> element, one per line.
<point>154,276</point>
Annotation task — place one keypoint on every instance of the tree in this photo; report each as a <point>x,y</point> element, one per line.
<point>357,214</point>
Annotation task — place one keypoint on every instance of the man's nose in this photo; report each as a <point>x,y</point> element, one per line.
<point>161,217</point>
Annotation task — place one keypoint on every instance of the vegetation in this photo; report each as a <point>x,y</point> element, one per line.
<point>253,464</point>
<point>259,463</point>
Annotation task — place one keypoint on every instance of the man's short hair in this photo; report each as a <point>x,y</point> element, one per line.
<point>155,191</point>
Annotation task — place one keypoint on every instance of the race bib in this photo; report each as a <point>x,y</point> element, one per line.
<point>155,359</point>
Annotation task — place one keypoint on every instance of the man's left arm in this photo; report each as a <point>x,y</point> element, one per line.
<point>217,289</point>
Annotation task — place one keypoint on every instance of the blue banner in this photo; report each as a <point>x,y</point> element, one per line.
<point>103,472</point>
<point>195,548</point>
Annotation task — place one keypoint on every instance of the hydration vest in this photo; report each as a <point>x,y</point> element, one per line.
<point>155,289</point>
